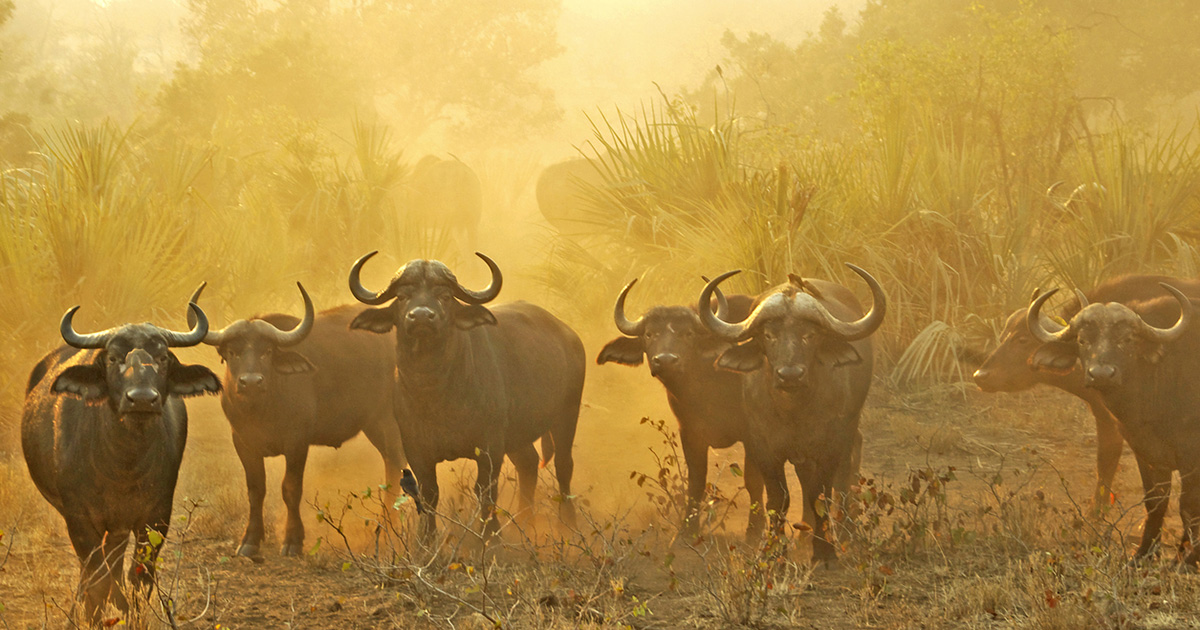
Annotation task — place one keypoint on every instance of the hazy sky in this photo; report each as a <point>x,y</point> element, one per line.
<point>616,49</point>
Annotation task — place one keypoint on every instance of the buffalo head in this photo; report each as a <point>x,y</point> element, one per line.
<point>134,370</point>
<point>1106,339</point>
<point>672,337</point>
<point>1009,368</point>
<point>254,349</point>
<point>426,301</point>
<point>792,332</point>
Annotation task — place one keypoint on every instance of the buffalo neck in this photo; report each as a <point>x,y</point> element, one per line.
<point>125,447</point>
<point>426,366</point>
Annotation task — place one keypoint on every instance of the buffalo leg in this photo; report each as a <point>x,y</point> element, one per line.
<point>848,470</point>
<point>754,487</point>
<point>487,481</point>
<point>114,561</point>
<point>695,455</point>
<point>94,578</point>
<point>385,437</point>
<point>1157,484</point>
<point>256,491</point>
<point>1109,444</point>
<point>1189,513</point>
<point>425,470</point>
<point>141,571</point>
<point>525,460</point>
<point>816,481</point>
<point>293,492</point>
<point>563,433</point>
<point>779,499</point>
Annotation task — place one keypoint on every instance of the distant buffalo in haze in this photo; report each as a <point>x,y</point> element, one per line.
<point>562,195</point>
<point>445,194</point>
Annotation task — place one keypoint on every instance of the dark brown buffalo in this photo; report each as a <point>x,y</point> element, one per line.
<point>103,432</point>
<point>1143,359</point>
<point>294,383</point>
<point>807,360</point>
<point>476,383</point>
<point>707,402</point>
<point>1009,367</point>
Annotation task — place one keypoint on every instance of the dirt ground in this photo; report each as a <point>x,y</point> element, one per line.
<point>993,529</point>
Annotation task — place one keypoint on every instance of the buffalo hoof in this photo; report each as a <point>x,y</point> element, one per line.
<point>249,550</point>
<point>290,550</point>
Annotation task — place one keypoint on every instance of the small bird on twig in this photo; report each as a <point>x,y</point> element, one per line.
<point>408,483</point>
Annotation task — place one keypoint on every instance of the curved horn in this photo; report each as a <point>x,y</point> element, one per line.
<point>1167,335</point>
<point>627,328</point>
<point>730,331</point>
<point>1033,319</point>
<point>284,338</point>
<point>867,324</point>
<point>84,341</point>
<point>485,295</point>
<point>1083,301</point>
<point>360,292</point>
<point>214,337</point>
<point>194,336</point>
<point>722,303</point>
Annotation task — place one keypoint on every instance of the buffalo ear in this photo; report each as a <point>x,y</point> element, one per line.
<point>1056,357</point>
<point>376,320</point>
<point>623,350</point>
<point>473,315</point>
<point>192,380</point>
<point>83,381</point>
<point>746,357</point>
<point>1153,352</point>
<point>286,362</point>
<point>838,353</point>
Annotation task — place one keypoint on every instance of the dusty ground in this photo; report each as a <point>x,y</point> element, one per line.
<point>1008,543</point>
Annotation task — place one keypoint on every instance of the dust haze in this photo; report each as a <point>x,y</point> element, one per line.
<point>963,152</point>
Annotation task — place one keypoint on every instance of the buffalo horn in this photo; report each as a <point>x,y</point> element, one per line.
<point>1167,335</point>
<point>735,331</point>
<point>722,303</point>
<point>485,295</point>
<point>867,324</point>
<point>194,336</point>
<point>1033,319</point>
<point>628,328</point>
<point>85,341</point>
<point>294,336</point>
<point>360,292</point>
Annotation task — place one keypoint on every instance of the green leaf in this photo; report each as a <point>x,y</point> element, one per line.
<point>313,551</point>
<point>155,538</point>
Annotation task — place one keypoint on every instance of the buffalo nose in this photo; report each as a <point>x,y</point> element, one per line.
<point>790,374</point>
<point>250,380</point>
<point>663,360</point>
<point>1102,374</point>
<point>142,396</point>
<point>420,315</point>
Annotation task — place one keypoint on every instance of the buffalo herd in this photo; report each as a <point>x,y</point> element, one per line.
<point>430,372</point>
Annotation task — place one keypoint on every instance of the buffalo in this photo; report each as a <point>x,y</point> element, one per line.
<point>562,194</point>
<point>807,360</point>
<point>1143,359</point>
<point>103,432</point>
<point>445,194</point>
<point>476,382</point>
<point>706,401</point>
<point>1009,367</point>
<point>293,383</point>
